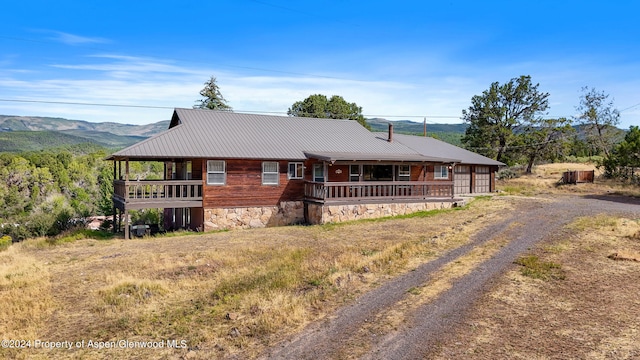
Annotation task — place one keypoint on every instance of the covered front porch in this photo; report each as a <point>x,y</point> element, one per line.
<point>327,192</point>
<point>334,179</point>
<point>177,189</point>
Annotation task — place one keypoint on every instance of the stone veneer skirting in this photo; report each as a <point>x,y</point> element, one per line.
<point>285,213</point>
<point>293,212</point>
<point>326,213</point>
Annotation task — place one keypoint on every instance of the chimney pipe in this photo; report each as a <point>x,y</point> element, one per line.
<point>390,133</point>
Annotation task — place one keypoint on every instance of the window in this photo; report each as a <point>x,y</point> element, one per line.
<point>318,172</point>
<point>403,173</point>
<point>296,170</point>
<point>441,172</point>
<point>216,172</point>
<point>377,172</point>
<point>188,171</point>
<point>270,175</point>
<point>174,175</point>
<point>354,172</point>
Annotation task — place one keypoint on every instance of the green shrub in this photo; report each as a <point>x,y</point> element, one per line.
<point>506,173</point>
<point>5,242</point>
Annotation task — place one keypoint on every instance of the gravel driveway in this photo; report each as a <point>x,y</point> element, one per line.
<point>536,219</point>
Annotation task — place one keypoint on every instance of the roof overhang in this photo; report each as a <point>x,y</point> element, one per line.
<point>345,156</point>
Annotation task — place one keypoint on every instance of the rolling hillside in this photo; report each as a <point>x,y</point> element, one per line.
<point>28,133</point>
<point>18,141</point>
<point>411,127</point>
<point>32,133</point>
<point>36,123</point>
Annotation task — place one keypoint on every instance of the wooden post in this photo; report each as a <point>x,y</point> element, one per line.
<point>126,224</point>
<point>472,179</point>
<point>453,178</point>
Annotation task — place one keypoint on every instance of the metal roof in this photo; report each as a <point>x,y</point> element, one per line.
<point>429,146</point>
<point>197,133</point>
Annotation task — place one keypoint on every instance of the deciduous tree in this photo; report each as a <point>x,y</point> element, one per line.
<point>496,116</point>
<point>599,118</point>
<point>319,106</point>
<point>624,160</point>
<point>545,139</point>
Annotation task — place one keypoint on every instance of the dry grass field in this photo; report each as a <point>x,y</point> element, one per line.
<point>222,293</point>
<point>236,293</point>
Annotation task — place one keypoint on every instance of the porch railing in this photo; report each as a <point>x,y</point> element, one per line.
<point>157,190</point>
<point>358,191</point>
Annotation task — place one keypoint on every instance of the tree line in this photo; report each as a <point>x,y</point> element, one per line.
<point>507,122</point>
<point>48,192</point>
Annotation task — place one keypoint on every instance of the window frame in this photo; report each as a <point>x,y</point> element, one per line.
<point>399,173</point>
<point>210,172</point>
<point>321,167</point>
<point>355,175</point>
<point>296,166</point>
<point>265,174</point>
<point>437,172</point>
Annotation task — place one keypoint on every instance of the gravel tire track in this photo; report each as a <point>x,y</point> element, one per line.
<point>433,320</point>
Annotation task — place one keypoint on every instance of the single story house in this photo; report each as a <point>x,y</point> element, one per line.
<point>233,170</point>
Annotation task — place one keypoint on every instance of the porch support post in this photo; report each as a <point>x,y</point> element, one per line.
<point>453,179</point>
<point>126,224</point>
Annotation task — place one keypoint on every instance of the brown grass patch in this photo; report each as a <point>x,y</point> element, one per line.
<point>544,180</point>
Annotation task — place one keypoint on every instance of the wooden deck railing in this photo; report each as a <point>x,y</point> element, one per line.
<point>379,190</point>
<point>157,190</point>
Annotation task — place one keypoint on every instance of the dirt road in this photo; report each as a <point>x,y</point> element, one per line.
<point>356,331</point>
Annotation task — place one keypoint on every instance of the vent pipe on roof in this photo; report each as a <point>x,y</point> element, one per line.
<point>390,139</point>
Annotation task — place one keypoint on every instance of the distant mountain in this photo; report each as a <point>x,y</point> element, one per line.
<point>37,123</point>
<point>412,127</point>
<point>451,133</point>
<point>29,133</point>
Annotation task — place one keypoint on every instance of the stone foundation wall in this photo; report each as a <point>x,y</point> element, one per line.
<point>285,213</point>
<point>323,214</point>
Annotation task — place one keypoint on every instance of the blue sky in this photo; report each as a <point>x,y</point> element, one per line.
<point>396,59</point>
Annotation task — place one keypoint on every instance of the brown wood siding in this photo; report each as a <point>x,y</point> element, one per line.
<point>244,186</point>
<point>338,173</point>
<point>196,169</point>
<point>308,169</point>
<point>417,172</point>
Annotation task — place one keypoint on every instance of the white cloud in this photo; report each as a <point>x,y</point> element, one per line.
<point>71,39</point>
<point>136,81</point>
